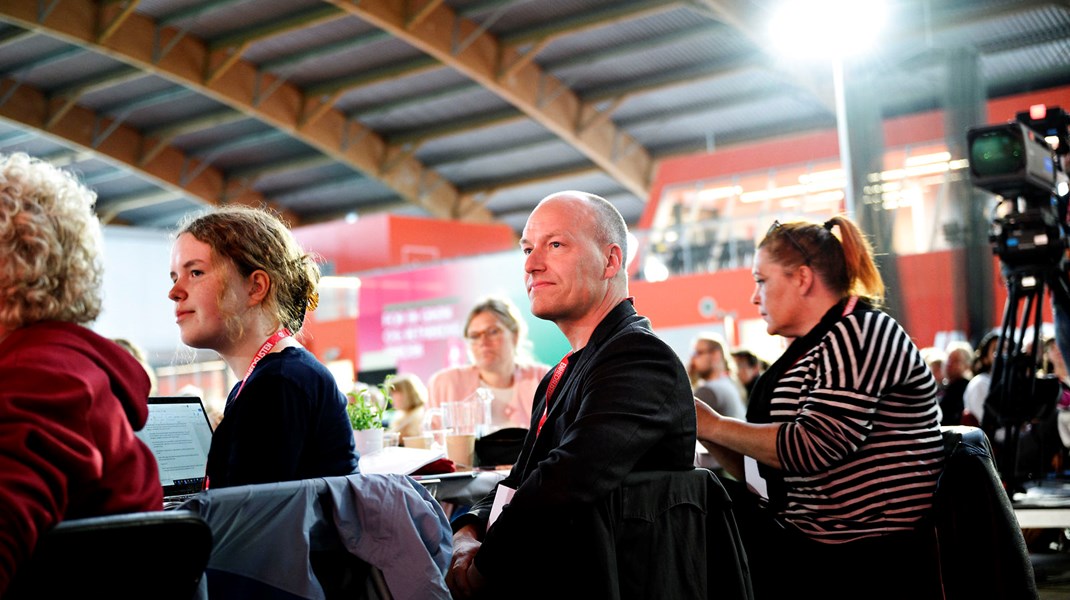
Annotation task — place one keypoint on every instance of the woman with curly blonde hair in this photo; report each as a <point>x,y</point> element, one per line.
<point>71,399</point>
<point>242,287</point>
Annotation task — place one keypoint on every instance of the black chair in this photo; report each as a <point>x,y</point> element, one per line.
<point>667,534</point>
<point>160,555</point>
<point>980,546</point>
<point>500,447</point>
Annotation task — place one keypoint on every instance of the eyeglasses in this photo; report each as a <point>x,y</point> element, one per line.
<point>490,333</point>
<point>776,225</point>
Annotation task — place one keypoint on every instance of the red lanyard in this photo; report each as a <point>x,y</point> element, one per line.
<point>277,337</point>
<point>556,377</point>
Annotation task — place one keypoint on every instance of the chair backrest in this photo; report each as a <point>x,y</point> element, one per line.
<point>668,534</point>
<point>982,551</point>
<point>357,536</point>
<point>138,555</point>
<point>501,447</point>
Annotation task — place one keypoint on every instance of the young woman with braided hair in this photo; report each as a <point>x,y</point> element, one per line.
<point>242,287</point>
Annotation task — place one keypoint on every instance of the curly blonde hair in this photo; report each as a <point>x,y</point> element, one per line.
<point>51,241</point>
<point>257,239</point>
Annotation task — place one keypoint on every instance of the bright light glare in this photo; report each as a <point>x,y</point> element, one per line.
<point>339,282</point>
<point>654,269</point>
<point>825,29</point>
<point>633,248</point>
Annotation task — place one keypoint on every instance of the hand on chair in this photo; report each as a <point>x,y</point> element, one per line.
<point>463,578</point>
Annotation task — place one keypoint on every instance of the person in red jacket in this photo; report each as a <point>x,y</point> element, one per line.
<point>70,399</point>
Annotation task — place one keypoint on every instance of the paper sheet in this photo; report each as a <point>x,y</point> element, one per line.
<point>755,482</point>
<point>501,497</point>
<point>398,460</point>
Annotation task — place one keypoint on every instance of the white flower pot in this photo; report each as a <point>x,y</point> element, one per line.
<point>368,440</point>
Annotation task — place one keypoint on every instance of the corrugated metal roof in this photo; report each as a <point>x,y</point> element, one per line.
<point>315,107</point>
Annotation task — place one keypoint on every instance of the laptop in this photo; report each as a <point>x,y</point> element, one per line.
<point>179,434</point>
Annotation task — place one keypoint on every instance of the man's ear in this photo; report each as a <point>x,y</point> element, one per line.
<point>614,261</point>
<point>259,284</point>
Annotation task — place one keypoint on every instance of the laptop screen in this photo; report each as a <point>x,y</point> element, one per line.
<point>179,434</point>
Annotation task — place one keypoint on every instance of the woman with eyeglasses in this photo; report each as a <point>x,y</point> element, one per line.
<point>496,336</point>
<point>841,447</point>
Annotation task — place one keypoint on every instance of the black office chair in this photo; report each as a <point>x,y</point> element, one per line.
<point>160,555</point>
<point>981,550</point>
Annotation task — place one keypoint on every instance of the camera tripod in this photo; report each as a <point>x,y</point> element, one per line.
<point>1017,398</point>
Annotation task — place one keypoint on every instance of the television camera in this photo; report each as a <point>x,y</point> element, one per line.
<point>1022,162</point>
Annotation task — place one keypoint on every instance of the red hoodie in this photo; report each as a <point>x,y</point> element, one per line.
<point>70,401</point>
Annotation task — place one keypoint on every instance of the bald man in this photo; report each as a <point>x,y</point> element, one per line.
<point>620,402</point>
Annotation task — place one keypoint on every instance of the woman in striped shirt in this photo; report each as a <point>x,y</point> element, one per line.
<point>841,448</point>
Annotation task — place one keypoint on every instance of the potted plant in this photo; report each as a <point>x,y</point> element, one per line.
<point>366,417</point>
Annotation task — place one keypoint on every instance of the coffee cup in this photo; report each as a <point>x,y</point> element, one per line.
<point>461,448</point>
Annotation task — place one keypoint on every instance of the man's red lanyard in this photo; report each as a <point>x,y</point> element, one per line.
<point>556,377</point>
<point>277,337</point>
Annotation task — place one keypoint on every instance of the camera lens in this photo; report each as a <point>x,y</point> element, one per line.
<point>999,152</point>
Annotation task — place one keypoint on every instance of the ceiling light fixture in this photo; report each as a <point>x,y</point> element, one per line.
<point>826,29</point>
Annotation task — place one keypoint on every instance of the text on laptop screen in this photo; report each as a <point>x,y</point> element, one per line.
<point>179,436</point>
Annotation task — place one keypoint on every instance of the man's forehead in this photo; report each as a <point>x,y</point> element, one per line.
<point>556,216</point>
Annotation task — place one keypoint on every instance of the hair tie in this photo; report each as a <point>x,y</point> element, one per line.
<point>829,225</point>
<point>313,300</point>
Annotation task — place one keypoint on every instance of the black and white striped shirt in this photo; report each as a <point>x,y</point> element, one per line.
<point>861,447</point>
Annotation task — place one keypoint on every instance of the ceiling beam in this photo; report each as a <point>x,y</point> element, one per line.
<point>470,49</point>
<point>111,16</point>
<point>608,94</point>
<point>401,68</point>
<point>610,14</point>
<point>13,35</point>
<point>114,207</point>
<point>137,41</point>
<point>675,77</point>
<point>262,31</point>
<point>512,145</point>
<point>299,163</point>
<point>192,11</point>
<point>201,122</point>
<point>589,57</point>
<point>421,135</point>
<point>406,68</point>
<point>294,59</point>
<point>63,99</point>
<point>25,106</point>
